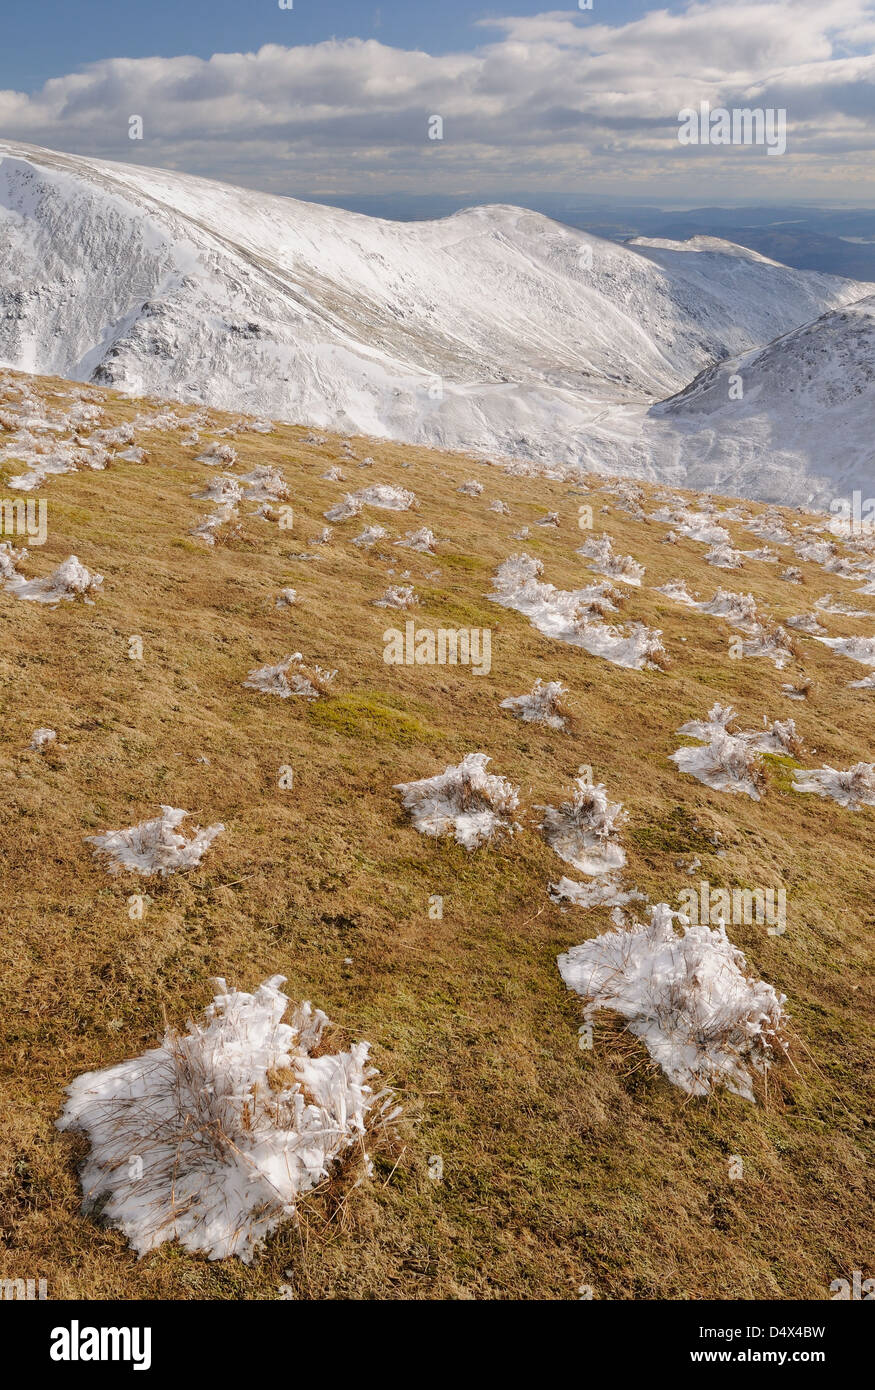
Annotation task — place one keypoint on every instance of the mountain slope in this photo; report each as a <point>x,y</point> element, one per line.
<point>562,1166</point>
<point>807,397</point>
<point>492,330</point>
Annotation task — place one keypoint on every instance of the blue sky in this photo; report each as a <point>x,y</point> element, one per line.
<point>52,37</point>
<point>340,96</point>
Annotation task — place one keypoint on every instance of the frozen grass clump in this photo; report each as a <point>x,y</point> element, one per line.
<point>154,846</point>
<point>853,788</point>
<point>828,605</point>
<point>724,557</point>
<point>573,616</point>
<point>9,560</point>
<point>465,801</point>
<point>775,643</point>
<point>600,550</point>
<point>217,455</point>
<point>423,540</point>
<point>224,490</point>
<point>208,529</point>
<point>807,623</point>
<point>265,484</point>
<point>689,997</point>
<point>385,495</point>
<point>694,525</point>
<point>738,609</point>
<point>860,649</point>
<point>584,831</point>
<point>779,737</point>
<point>676,590</point>
<point>290,677</point>
<point>543,705</point>
<point>71,580</point>
<point>370,536</point>
<point>728,763</point>
<point>769,527</point>
<point>212,1137</point>
<point>342,511</point>
<point>397,596</point>
<point>601,892</point>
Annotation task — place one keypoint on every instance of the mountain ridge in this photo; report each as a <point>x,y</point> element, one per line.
<point>494,330</point>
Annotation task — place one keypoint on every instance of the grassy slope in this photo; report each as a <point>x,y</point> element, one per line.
<point>561,1167</point>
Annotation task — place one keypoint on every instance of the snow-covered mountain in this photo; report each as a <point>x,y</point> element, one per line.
<point>807,398</point>
<point>494,330</point>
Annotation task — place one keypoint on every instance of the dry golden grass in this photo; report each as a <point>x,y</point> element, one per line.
<point>561,1167</point>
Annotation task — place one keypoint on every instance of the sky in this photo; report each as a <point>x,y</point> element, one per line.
<point>340,96</point>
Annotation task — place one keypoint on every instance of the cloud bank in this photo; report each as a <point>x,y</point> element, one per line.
<point>553,101</point>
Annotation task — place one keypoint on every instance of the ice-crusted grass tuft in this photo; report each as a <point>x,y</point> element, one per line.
<point>218,456</point>
<point>384,495</point>
<point>584,831</point>
<point>676,589</point>
<point>42,738</point>
<point>574,616</point>
<point>370,536</point>
<point>689,997</point>
<point>290,677</point>
<point>860,649</point>
<point>852,788</point>
<point>10,559</point>
<point>71,580</point>
<point>727,764</point>
<point>724,557</point>
<point>397,596</point>
<point>424,540</point>
<point>265,484</point>
<point>154,846</point>
<point>738,609</point>
<point>601,892</point>
<point>730,761</point>
<point>465,801</point>
<point>543,705</point>
<point>774,643</point>
<point>211,1138</point>
<point>600,550</point>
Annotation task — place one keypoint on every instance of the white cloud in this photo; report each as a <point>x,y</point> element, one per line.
<point>554,100</point>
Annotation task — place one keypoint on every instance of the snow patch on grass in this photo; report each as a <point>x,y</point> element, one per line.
<point>705,1020</point>
<point>465,801</point>
<point>584,831</point>
<point>290,677</point>
<point>231,1122</point>
<point>543,705</point>
<point>154,846</point>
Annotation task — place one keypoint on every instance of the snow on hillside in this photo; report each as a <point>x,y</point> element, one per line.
<point>808,408</point>
<point>495,330</point>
